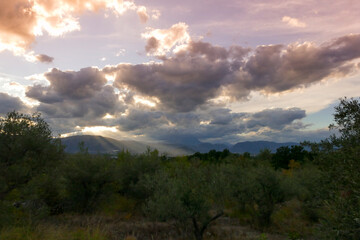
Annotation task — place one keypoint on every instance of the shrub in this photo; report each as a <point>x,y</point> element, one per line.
<point>192,196</point>
<point>89,180</point>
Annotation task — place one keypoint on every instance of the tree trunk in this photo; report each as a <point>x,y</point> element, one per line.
<point>199,233</point>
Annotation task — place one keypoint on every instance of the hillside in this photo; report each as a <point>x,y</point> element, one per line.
<point>99,144</point>
<point>256,146</point>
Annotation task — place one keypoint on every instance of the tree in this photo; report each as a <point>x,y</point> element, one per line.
<point>347,118</point>
<point>259,188</point>
<point>192,196</point>
<point>27,148</point>
<point>88,180</point>
<point>339,157</point>
<point>283,155</point>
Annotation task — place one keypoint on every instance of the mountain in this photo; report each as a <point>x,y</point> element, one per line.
<point>99,144</point>
<point>256,146</point>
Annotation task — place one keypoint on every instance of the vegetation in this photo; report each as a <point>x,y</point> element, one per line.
<point>299,192</point>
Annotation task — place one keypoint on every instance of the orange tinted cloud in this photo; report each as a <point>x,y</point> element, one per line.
<point>162,41</point>
<point>22,20</point>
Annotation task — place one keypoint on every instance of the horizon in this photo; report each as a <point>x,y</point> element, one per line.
<point>171,71</point>
<point>119,139</point>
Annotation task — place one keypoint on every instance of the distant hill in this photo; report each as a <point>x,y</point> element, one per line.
<point>256,146</point>
<point>99,144</point>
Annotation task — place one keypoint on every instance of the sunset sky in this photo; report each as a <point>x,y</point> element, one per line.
<point>218,71</point>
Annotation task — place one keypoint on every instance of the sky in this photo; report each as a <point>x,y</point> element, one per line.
<point>162,70</point>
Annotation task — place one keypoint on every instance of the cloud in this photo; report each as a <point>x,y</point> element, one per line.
<point>76,85</point>
<point>201,72</point>
<point>155,14</point>
<point>278,68</point>
<point>275,118</point>
<point>44,58</point>
<point>162,41</point>
<point>182,88</point>
<point>138,120</point>
<point>71,94</point>
<point>293,22</point>
<point>22,20</point>
<point>142,13</point>
<point>9,103</point>
<point>209,124</point>
<point>181,84</point>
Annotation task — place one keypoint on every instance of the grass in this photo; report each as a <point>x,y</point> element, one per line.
<point>105,227</point>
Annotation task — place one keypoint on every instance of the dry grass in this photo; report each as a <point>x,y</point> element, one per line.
<point>105,227</point>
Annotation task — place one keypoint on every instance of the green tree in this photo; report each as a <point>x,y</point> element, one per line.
<point>132,168</point>
<point>283,155</point>
<point>347,119</point>
<point>260,188</point>
<point>339,157</point>
<point>192,196</point>
<point>27,148</point>
<point>88,180</point>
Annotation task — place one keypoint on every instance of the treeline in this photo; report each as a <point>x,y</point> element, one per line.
<point>302,192</point>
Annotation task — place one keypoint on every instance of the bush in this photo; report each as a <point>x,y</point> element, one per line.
<point>132,168</point>
<point>258,190</point>
<point>192,196</point>
<point>89,180</point>
<point>27,149</point>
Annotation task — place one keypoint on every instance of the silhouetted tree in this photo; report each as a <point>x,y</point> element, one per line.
<point>27,149</point>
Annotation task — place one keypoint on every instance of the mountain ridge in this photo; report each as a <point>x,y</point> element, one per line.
<point>100,144</point>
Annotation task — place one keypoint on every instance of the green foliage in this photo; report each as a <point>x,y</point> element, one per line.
<point>132,168</point>
<point>212,156</point>
<point>283,156</point>
<point>289,218</point>
<point>262,237</point>
<point>187,194</point>
<point>265,192</point>
<point>37,179</point>
<point>257,190</point>
<point>347,118</point>
<point>47,190</point>
<point>265,155</point>
<point>339,158</point>
<point>26,150</point>
<point>88,180</point>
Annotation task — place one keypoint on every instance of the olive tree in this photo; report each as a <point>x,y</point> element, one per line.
<point>191,196</point>
<point>339,158</point>
<point>27,148</point>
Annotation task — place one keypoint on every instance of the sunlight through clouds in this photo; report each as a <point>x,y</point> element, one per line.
<point>24,20</point>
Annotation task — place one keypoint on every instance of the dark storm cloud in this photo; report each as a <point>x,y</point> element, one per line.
<point>275,118</point>
<point>81,94</point>
<point>43,94</point>
<point>76,85</point>
<point>44,58</point>
<point>202,72</point>
<point>104,101</point>
<point>278,68</point>
<point>9,103</point>
<point>214,53</point>
<point>181,84</point>
<point>138,120</point>
<point>209,124</point>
